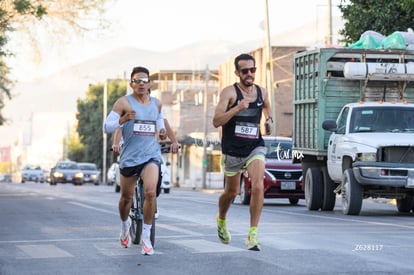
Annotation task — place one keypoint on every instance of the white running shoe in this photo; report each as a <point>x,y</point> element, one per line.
<point>124,236</point>
<point>147,248</point>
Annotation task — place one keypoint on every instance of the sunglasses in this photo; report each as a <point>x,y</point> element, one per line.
<point>138,80</point>
<point>245,71</point>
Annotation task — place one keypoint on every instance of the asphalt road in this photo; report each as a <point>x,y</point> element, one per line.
<point>68,229</point>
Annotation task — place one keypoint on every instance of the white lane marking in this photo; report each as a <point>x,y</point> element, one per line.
<point>93,208</point>
<point>42,251</point>
<point>345,219</point>
<point>115,249</point>
<point>203,246</point>
<point>178,229</point>
<point>56,240</point>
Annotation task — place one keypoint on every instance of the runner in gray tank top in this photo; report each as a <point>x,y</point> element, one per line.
<point>138,134</point>
<point>138,114</point>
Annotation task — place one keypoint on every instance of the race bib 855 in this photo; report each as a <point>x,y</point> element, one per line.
<point>144,127</point>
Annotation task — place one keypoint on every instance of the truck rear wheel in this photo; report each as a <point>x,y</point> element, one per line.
<point>329,197</point>
<point>405,205</point>
<point>351,193</point>
<point>313,188</point>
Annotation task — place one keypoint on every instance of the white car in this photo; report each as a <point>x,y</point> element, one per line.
<point>165,182</point>
<point>33,173</point>
<point>110,175</point>
<point>165,173</point>
<point>117,180</point>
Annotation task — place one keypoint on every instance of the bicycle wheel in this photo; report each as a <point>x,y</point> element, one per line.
<point>152,236</point>
<point>136,215</point>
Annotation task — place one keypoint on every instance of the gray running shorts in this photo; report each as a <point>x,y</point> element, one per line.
<point>233,165</point>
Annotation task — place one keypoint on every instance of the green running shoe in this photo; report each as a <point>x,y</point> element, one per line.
<point>223,233</point>
<point>252,242</point>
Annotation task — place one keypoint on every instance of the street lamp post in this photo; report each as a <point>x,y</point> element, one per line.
<point>269,67</point>
<point>104,114</point>
<point>205,98</point>
<point>104,143</point>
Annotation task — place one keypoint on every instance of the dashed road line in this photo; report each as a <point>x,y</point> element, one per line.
<point>203,246</point>
<point>43,251</point>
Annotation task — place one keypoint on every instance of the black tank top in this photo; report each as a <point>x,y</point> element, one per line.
<point>241,134</point>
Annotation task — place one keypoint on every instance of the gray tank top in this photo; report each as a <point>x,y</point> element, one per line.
<point>140,135</point>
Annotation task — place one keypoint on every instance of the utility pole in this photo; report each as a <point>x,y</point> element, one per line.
<point>207,78</point>
<point>330,38</point>
<point>104,143</point>
<point>126,82</point>
<point>269,67</point>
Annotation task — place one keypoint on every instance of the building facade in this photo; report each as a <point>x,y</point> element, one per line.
<point>189,99</point>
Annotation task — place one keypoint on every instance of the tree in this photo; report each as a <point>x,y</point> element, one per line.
<point>75,148</point>
<point>90,119</point>
<point>382,16</point>
<point>9,10</point>
<point>56,17</point>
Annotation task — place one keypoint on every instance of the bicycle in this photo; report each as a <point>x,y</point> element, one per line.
<point>136,212</point>
<point>137,216</point>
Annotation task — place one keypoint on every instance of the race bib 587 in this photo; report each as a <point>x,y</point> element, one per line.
<point>247,130</point>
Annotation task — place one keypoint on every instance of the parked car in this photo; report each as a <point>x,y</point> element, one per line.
<point>91,173</point>
<point>165,180</point>
<point>117,180</point>
<point>66,171</point>
<point>283,178</point>
<point>32,172</point>
<point>110,175</point>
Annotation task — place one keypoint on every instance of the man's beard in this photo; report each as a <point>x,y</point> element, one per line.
<point>246,83</point>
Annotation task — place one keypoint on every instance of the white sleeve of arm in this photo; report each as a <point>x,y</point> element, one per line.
<point>160,121</point>
<point>111,122</point>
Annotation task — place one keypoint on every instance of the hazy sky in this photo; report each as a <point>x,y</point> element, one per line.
<point>161,25</point>
<point>156,25</point>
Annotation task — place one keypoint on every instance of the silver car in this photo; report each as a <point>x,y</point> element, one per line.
<point>91,173</point>
<point>33,173</point>
<point>66,171</point>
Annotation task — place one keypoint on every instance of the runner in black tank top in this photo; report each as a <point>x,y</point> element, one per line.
<point>239,112</point>
<point>241,141</point>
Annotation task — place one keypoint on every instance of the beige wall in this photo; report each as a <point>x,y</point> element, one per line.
<point>187,117</point>
<point>282,82</point>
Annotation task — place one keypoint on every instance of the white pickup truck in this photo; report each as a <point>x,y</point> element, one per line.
<point>354,126</point>
<point>371,152</point>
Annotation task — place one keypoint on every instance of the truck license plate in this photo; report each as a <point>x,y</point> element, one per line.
<point>288,185</point>
<point>410,179</point>
<point>410,182</point>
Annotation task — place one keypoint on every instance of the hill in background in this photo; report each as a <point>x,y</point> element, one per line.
<point>54,96</point>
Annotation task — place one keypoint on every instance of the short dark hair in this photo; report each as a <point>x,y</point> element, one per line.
<point>243,56</point>
<point>139,70</point>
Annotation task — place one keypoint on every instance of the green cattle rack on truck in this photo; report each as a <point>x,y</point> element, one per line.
<point>322,86</point>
